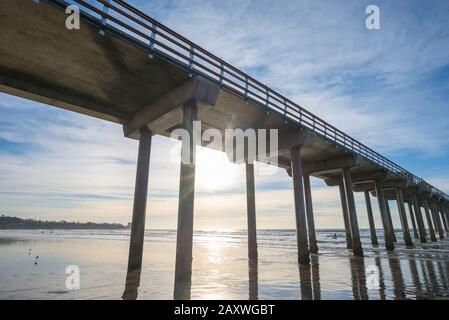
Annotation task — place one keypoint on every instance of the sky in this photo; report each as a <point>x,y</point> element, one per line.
<point>388,88</point>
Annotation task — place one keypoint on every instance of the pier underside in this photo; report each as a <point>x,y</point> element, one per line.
<point>113,79</point>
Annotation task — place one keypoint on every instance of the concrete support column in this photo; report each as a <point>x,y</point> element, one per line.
<point>444,217</point>
<point>372,227</point>
<point>412,218</point>
<point>389,245</point>
<point>419,220</point>
<point>140,202</point>
<point>403,217</point>
<point>349,194</point>
<point>251,212</point>
<point>390,221</point>
<point>446,210</point>
<point>184,239</point>
<point>309,210</point>
<point>300,210</point>
<point>344,207</point>
<point>429,221</point>
<point>436,219</point>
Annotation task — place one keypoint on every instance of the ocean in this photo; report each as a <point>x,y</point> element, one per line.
<point>220,266</point>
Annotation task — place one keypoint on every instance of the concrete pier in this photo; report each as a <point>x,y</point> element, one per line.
<point>349,194</point>
<point>344,208</point>
<point>112,78</point>
<point>412,218</point>
<point>403,217</point>
<point>389,245</point>
<point>437,220</point>
<point>433,237</point>
<point>300,210</point>
<point>310,219</point>
<point>140,202</point>
<point>372,227</point>
<point>184,239</point>
<point>253,280</point>
<point>446,210</point>
<point>251,212</point>
<point>390,221</point>
<point>444,217</point>
<point>419,220</point>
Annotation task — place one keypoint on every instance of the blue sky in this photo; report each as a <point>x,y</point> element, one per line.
<point>389,88</point>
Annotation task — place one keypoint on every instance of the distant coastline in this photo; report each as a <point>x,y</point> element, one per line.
<point>14,223</point>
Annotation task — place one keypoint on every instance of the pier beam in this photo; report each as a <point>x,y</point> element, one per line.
<point>433,237</point>
<point>251,212</point>
<point>390,221</point>
<point>412,218</point>
<point>419,220</point>
<point>300,210</point>
<point>349,194</point>
<point>313,247</point>
<point>140,202</point>
<point>344,207</point>
<point>403,217</point>
<point>184,240</point>
<point>436,219</point>
<point>372,227</point>
<point>389,245</point>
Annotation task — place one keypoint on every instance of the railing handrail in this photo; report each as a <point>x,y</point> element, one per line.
<point>232,79</point>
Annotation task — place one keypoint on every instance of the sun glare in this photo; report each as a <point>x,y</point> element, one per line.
<point>214,171</point>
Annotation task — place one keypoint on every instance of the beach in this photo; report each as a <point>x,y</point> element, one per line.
<point>220,266</point>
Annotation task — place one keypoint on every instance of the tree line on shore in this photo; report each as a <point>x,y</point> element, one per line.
<point>18,223</point>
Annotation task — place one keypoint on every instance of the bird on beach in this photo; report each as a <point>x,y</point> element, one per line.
<point>29,251</point>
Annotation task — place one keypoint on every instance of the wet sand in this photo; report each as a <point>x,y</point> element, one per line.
<point>220,267</point>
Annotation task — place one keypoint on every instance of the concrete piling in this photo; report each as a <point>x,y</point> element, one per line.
<point>140,202</point>
<point>344,208</point>
<point>313,247</point>
<point>444,217</point>
<point>372,227</point>
<point>433,237</point>
<point>389,245</point>
<point>300,210</point>
<point>390,221</point>
<point>349,194</point>
<point>251,212</point>
<point>184,241</point>
<point>436,219</point>
<point>419,220</point>
<point>403,217</point>
<point>412,218</point>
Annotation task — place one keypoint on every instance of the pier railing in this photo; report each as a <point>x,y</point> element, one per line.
<point>122,19</point>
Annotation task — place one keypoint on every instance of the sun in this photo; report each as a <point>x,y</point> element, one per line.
<point>214,171</point>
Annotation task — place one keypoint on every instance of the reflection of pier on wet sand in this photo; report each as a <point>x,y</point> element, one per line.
<point>401,275</point>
